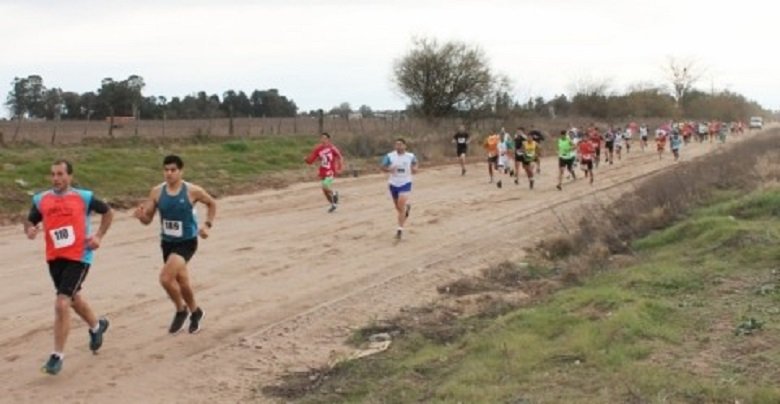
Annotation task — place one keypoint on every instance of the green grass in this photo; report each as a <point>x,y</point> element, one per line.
<point>125,171</point>
<point>662,330</point>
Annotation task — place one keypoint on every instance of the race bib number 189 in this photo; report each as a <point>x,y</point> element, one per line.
<point>172,228</point>
<point>62,237</point>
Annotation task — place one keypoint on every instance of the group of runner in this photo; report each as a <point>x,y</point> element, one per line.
<point>62,215</point>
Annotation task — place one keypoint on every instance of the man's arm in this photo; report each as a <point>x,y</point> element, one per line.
<point>385,165</point>
<point>200,195</point>
<point>146,210</point>
<point>106,217</point>
<point>31,224</point>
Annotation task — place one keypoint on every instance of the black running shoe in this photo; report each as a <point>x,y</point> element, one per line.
<point>195,319</point>
<point>335,198</point>
<point>531,184</point>
<point>498,184</point>
<point>517,182</point>
<point>96,337</point>
<point>53,365</point>
<point>408,209</point>
<point>332,208</point>
<point>178,321</point>
<point>559,187</point>
<point>398,234</point>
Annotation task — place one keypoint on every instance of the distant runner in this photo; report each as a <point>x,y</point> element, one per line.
<point>660,142</point>
<point>331,162</point>
<point>587,155</point>
<point>675,143</point>
<point>528,149</point>
<point>65,212</point>
<point>643,137</point>
<point>538,137</point>
<point>461,140</point>
<point>491,147</point>
<point>566,157</point>
<point>401,165</point>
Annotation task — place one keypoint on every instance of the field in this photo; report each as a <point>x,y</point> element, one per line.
<point>284,284</point>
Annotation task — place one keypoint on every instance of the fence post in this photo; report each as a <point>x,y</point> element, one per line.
<point>321,120</point>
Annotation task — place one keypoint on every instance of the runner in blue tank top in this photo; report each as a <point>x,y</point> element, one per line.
<point>179,231</point>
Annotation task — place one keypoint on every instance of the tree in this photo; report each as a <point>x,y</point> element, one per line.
<point>683,74</point>
<point>366,111</point>
<point>27,97</point>
<point>440,79</point>
<point>343,110</point>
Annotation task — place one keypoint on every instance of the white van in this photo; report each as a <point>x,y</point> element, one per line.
<point>756,122</point>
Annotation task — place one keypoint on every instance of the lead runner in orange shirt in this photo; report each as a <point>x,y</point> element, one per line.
<point>64,212</point>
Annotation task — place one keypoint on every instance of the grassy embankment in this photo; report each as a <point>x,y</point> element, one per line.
<point>124,171</point>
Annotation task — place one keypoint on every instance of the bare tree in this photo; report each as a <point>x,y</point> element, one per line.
<point>683,74</point>
<point>440,79</point>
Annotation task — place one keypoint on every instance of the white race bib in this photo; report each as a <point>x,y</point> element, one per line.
<point>63,236</point>
<point>172,228</point>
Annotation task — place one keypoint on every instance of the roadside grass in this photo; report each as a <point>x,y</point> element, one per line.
<point>695,318</point>
<point>123,171</point>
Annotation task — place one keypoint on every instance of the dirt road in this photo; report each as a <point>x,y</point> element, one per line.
<point>281,281</point>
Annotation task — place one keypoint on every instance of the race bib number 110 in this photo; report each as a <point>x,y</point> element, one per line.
<point>62,237</point>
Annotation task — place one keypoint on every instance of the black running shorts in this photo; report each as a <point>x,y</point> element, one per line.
<point>461,149</point>
<point>68,275</point>
<point>568,163</point>
<point>493,159</point>
<point>587,164</point>
<point>185,249</point>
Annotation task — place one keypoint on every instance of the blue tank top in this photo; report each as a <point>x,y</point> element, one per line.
<point>177,215</point>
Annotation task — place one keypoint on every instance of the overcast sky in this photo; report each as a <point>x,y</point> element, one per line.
<point>322,53</point>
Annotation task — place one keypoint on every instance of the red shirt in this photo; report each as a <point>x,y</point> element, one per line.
<point>586,150</point>
<point>65,224</point>
<point>595,138</point>
<point>330,159</point>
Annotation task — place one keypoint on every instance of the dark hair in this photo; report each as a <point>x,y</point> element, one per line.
<point>173,159</point>
<point>68,165</point>
<point>326,134</point>
<point>563,132</point>
<point>402,140</point>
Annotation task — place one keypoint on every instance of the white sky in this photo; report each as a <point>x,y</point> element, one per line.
<point>321,53</point>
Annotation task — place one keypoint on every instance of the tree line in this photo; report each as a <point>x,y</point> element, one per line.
<point>455,79</point>
<point>29,98</point>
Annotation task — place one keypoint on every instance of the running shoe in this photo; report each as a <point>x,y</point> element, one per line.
<point>335,197</point>
<point>398,234</point>
<point>559,187</point>
<point>498,184</point>
<point>332,208</point>
<point>531,184</point>
<point>517,181</point>
<point>53,365</point>
<point>408,209</point>
<point>195,319</point>
<point>178,321</point>
<point>462,171</point>
<point>96,337</point>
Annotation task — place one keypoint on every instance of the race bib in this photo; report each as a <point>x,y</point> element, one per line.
<point>63,237</point>
<point>461,140</point>
<point>400,170</point>
<point>172,228</point>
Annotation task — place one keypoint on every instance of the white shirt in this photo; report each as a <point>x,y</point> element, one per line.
<point>400,167</point>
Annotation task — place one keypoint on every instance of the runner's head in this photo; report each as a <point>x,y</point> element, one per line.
<point>325,138</point>
<point>172,168</point>
<point>563,134</point>
<point>61,175</point>
<point>461,129</point>
<point>400,145</point>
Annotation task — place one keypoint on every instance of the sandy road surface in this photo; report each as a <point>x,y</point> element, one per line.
<point>280,280</point>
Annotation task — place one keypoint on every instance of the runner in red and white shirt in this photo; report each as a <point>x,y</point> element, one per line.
<point>331,162</point>
<point>587,155</point>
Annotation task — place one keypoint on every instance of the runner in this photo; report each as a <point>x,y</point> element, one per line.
<point>503,158</point>
<point>401,165</point>
<point>65,212</point>
<point>491,146</point>
<point>643,137</point>
<point>723,130</point>
<point>609,142</point>
<point>461,140</point>
<point>619,142</point>
<point>587,155</point>
<point>627,136</point>
<point>179,231</point>
<point>520,137</point>
<point>538,137</point>
<point>596,139</point>
<point>660,142</point>
<point>331,161</point>
<point>675,143</point>
<point>566,157</point>
<point>528,152</point>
